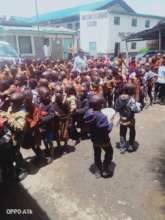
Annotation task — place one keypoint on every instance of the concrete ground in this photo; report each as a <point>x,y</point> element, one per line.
<point>67,190</point>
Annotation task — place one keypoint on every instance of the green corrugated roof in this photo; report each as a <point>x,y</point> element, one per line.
<point>34,31</point>
<point>70,11</point>
<point>23,20</point>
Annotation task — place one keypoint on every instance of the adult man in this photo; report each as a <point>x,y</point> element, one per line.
<point>80,62</point>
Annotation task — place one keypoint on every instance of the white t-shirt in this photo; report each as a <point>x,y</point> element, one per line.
<point>47,52</point>
<point>149,75</point>
<point>80,64</point>
<point>161,75</point>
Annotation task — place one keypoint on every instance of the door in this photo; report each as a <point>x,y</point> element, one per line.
<point>92,48</point>
<point>68,43</point>
<point>117,49</point>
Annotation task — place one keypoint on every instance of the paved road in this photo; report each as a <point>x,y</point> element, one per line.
<point>67,190</point>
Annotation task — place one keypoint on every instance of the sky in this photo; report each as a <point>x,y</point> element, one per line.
<point>26,8</point>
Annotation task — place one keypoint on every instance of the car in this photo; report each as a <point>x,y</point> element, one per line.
<point>8,54</point>
<point>149,53</point>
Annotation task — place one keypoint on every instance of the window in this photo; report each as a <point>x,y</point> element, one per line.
<point>92,48</point>
<point>117,20</point>
<point>69,26</point>
<point>133,46</point>
<point>147,23</point>
<point>92,45</point>
<point>134,22</point>
<point>77,26</point>
<point>25,45</point>
<point>116,49</point>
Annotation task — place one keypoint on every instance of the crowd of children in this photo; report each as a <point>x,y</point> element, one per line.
<point>48,100</point>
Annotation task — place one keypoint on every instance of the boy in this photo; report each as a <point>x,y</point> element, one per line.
<point>32,136</point>
<point>6,151</point>
<point>62,118</point>
<point>149,81</point>
<point>16,117</point>
<point>99,129</point>
<point>127,107</point>
<point>47,121</point>
<point>82,107</point>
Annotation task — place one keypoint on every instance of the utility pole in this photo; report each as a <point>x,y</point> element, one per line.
<point>37,14</point>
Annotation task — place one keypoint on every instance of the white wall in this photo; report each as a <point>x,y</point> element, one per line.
<point>89,32</point>
<point>105,33</point>
<point>126,27</point>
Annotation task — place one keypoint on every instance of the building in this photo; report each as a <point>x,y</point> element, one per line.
<point>156,35</point>
<point>103,24</point>
<point>70,17</point>
<point>45,42</point>
<point>12,21</point>
<point>103,31</point>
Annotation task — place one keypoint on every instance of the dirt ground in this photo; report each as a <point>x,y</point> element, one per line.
<point>67,190</point>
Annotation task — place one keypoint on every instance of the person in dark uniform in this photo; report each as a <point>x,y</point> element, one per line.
<point>99,129</point>
<point>16,117</point>
<point>6,151</point>
<point>82,108</point>
<point>46,123</point>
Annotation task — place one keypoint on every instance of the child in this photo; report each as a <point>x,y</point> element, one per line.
<point>82,107</point>
<point>108,90</point>
<point>149,81</point>
<point>32,136</point>
<point>62,118</point>
<point>127,107</point>
<point>99,129</point>
<point>71,99</point>
<point>47,121</point>
<point>16,117</point>
<point>6,151</point>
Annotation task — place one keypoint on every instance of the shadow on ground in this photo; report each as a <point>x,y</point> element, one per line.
<point>112,167</point>
<point>34,166</point>
<point>136,145</point>
<point>14,196</point>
